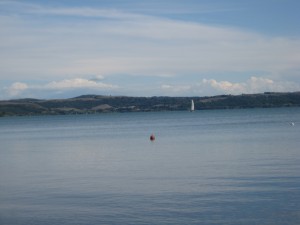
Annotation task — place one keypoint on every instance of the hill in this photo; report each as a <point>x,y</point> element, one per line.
<point>87,104</point>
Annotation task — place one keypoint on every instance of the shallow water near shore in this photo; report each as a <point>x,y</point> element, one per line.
<point>205,167</point>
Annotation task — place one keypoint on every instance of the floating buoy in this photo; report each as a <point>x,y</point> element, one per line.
<point>152,137</point>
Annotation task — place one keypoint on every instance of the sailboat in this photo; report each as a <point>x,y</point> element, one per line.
<point>192,106</point>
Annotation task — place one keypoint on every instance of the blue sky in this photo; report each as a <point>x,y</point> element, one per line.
<point>57,49</point>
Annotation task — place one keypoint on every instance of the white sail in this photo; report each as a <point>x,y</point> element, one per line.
<point>192,106</point>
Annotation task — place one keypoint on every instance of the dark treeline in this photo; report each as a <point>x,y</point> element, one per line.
<point>101,104</point>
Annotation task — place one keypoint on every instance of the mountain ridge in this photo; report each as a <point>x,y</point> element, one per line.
<point>87,104</point>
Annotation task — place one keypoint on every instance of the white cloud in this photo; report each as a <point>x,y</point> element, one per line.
<point>134,44</point>
<point>210,87</point>
<point>77,83</point>
<point>19,89</point>
<point>29,9</point>
<point>16,89</point>
<point>89,12</point>
<point>225,86</point>
<point>97,78</point>
<point>207,87</point>
<point>252,85</point>
<point>114,42</point>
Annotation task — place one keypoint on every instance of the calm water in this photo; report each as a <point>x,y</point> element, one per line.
<point>207,167</point>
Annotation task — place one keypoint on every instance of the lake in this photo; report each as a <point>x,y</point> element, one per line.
<point>205,167</point>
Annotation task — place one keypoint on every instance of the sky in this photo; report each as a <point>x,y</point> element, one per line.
<point>62,48</point>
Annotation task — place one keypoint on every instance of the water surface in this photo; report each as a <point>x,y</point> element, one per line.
<point>205,167</point>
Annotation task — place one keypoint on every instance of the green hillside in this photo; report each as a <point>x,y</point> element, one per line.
<point>87,104</point>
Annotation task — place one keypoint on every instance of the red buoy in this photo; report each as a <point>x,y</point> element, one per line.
<point>152,137</point>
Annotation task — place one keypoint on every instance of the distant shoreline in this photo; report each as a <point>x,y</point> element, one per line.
<point>90,104</point>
